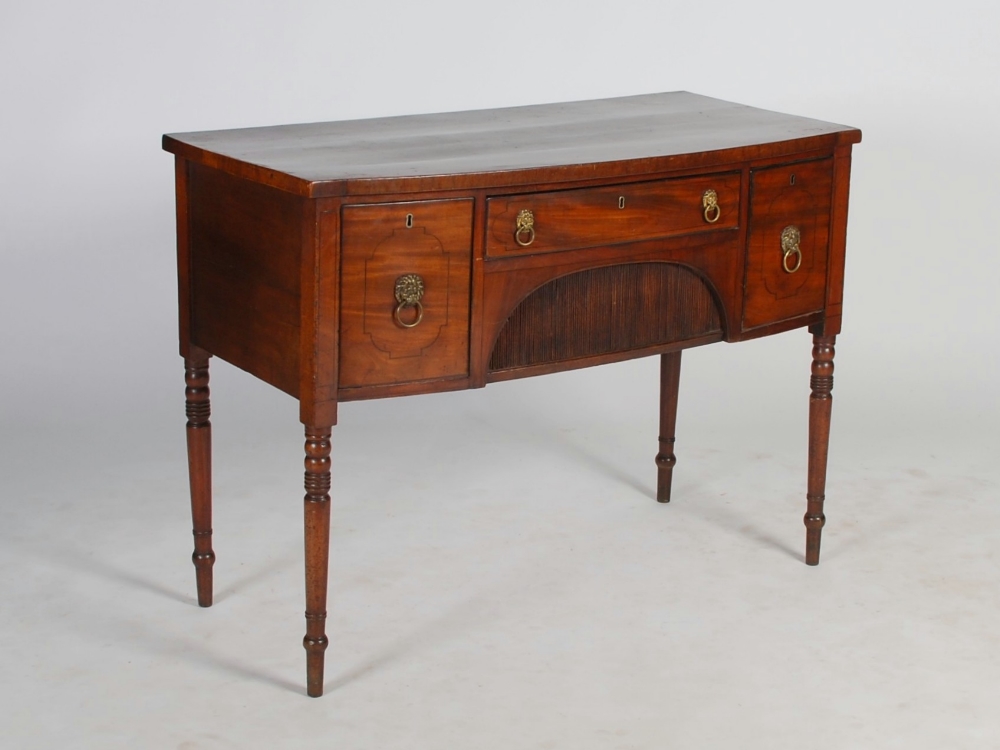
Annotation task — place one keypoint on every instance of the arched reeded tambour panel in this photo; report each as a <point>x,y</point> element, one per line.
<point>606,310</point>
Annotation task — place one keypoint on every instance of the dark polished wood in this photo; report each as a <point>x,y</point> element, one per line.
<point>797,195</point>
<point>245,283</point>
<point>199,449</point>
<point>381,243</point>
<point>606,138</point>
<point>670,380</point>
<point>616,308</point>
<point>317,538</point>
<point>591,217</point>
<point>820,404</point>
<point>352,260</point>
<point>714,259</point>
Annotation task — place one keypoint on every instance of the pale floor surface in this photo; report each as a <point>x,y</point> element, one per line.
<point>496,584</point>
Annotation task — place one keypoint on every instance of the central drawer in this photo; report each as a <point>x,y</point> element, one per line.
<point>570,219</point>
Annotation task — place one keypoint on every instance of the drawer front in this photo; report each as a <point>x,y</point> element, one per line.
<point>789,242</point>
<point>570,219</point>
<point>405,276</point>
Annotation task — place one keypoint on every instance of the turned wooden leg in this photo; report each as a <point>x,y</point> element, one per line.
<point>820,403</point>
<point>317,534</point>
<point>199,446</point>
<point>670,378</point>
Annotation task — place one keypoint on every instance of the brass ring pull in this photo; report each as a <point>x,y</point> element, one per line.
<point>710,206</point>
<point>409,290</point>
<point>525,226</point>
<point>790,238</point>
<point>415,323</point>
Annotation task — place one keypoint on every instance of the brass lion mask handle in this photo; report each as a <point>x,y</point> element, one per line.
<point>524,234</point>
<point>409,290</point>
<point>710,206</point>
<point>790,239</point>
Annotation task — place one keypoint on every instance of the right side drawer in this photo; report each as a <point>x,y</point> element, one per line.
<point>593,217</point>
<point>789,242</point>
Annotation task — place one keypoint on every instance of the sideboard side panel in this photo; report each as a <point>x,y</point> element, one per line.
<point>245,252</point>
<point>183,256</point>
<point>320,313</point>
<point>838,240</point>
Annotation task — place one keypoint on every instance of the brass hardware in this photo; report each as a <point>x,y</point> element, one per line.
<point>621,201</point>
<point>409,290</point>
<point>525,225</point>
<point>790,238</point>
<point>710,204</point>
<point>409,221</point>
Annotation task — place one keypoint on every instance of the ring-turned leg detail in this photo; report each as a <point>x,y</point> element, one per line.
<point>670,377</point>
<point>820,403</point>
<point>199,447</point>
<point>317,539</point>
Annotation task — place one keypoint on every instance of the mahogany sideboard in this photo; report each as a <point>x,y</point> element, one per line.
<point>393,256</point>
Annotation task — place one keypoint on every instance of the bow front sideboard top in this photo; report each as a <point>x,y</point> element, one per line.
<point>393,256</point>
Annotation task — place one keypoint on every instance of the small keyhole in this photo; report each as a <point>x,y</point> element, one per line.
<point>621,201</point>
<point>791,180</point>
<point>409,221</point>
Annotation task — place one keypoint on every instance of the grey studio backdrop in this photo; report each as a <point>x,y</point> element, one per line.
<point>500,575</point>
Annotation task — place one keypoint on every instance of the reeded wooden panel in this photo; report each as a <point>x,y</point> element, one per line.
<point>795,195</point>
<point>606,310</point>
<point>381,243</point>
<point>569,219</point>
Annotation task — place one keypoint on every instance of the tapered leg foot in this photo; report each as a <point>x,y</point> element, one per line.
<point>820,404</point>
<point>199,447</point>
<point>317,539</point>
<point>670,377</point>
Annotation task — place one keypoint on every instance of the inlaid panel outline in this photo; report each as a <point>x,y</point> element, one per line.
<point>808,241</point>
<point>763,303</point>
<point>392,349</point>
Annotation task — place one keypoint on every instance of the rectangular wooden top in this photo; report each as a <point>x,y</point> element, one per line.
<point>584,140</point>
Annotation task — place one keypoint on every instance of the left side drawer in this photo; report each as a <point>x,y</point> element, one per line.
<point>404,292</point>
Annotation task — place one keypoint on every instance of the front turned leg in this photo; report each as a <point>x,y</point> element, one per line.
<point>317,536</point>
<point>670,378</point>
<point>820,403</point>
<point>199,448</point>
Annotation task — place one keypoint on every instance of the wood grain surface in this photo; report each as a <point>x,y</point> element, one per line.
<point>517,145</point>
<point>571,219</point>
<point>291,241</point>
<point>244,247</point>
<point>796,195</point>
<point>383,242</point>
<point>603,310</point>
